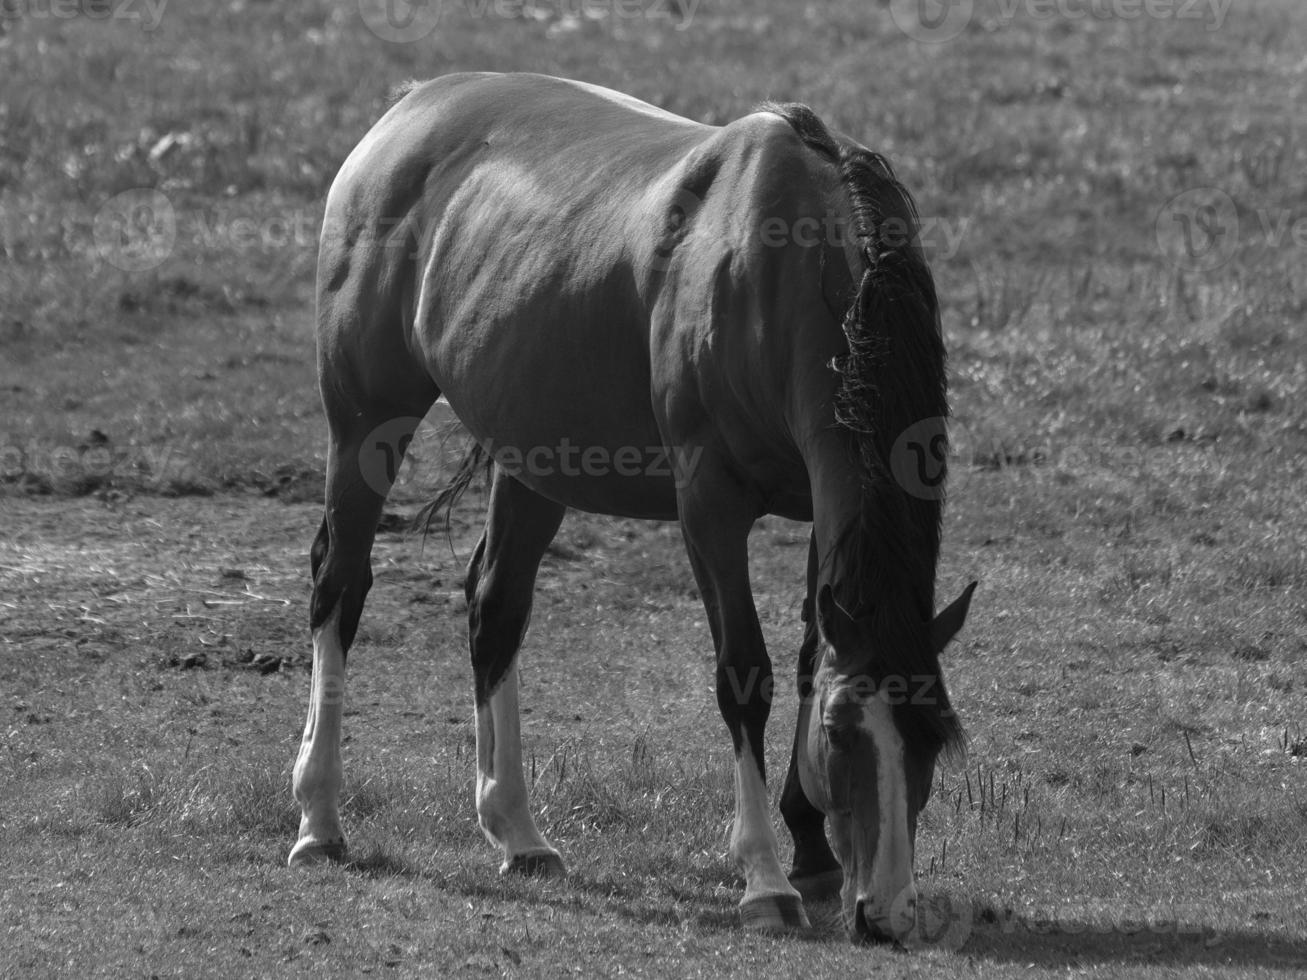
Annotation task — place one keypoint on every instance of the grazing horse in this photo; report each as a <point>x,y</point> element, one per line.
<point>640,315</point>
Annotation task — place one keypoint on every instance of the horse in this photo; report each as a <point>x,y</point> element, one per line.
<point>640,315</point>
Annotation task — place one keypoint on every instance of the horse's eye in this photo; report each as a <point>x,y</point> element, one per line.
<point>841,737</point>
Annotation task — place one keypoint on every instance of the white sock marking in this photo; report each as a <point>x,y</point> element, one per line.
<point>318,771</point>
<point>502,797</point>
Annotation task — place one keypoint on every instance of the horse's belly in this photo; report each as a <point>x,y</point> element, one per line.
<point>590,447</point>
<point>547,363</point>
<point>643,496</point>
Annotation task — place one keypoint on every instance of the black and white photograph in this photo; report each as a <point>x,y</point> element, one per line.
<point>653,488</point>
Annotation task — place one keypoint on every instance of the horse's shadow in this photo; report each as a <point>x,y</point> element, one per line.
<point>1064,942</point>
<point>696,900</point>
<point>1160,943</point>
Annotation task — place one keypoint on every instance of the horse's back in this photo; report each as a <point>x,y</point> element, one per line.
<point>445,129</point>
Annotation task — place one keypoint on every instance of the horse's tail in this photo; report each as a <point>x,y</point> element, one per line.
<point>476,460</point>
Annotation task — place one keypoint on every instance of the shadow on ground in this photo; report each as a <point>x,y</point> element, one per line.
<point>1161,943</point>
<point>1045,943</point>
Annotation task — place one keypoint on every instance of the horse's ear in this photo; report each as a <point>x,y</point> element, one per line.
<point>945,626</point>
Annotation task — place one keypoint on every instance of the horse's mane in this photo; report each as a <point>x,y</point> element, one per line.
<point>892,378</point>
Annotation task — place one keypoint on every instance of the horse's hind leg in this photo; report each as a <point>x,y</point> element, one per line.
<point>500,584</point>
<point>367,444</point>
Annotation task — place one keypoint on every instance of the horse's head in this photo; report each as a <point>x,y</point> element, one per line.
<point>867,758</point>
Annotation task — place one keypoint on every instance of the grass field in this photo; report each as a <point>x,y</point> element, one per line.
<point>1116,207</point>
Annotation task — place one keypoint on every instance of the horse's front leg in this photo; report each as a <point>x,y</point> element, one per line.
<point>716,519</point>
<point>816,872</point>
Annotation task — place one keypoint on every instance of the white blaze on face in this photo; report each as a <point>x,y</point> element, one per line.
<point>883,890</point>
<point>872,842</point>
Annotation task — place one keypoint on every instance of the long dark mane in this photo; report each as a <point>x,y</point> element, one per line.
<point>891,380</point>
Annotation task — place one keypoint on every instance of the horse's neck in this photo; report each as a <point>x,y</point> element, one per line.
<point>839,500</point>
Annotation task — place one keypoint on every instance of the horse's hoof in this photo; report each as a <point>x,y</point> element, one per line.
<point>308,852</point>
<point>774,913</point>
<point>545,864</point>
<point>820,887</point>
